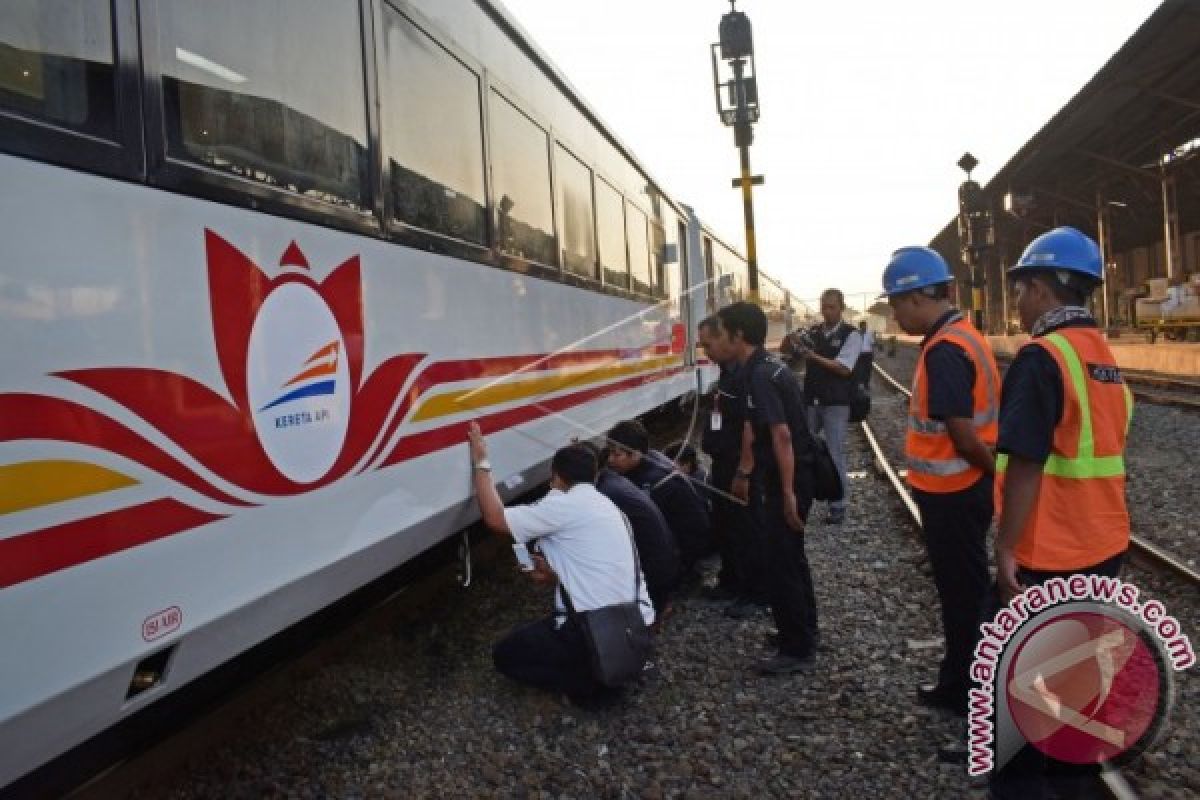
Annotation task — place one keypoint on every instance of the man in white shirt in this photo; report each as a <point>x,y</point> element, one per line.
<point>585,546</point>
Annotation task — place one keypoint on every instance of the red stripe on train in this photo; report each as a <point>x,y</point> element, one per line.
<point>33,555</point>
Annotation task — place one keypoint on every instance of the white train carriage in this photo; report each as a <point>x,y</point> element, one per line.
<point>260,264</point>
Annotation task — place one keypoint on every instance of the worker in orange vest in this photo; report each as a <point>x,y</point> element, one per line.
<point>1060,487</point>
<point>1064,414</point>
<point>952,426</point>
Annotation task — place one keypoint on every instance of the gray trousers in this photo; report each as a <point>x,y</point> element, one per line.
<point>833,421</point>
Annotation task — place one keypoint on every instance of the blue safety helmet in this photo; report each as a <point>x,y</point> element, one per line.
<point>914,268</point>
<point>1062,249</point>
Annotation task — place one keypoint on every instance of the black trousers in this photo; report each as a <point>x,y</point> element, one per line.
<point>790,584</point>
<point>1031,774</point>
<point>539,654</point>
<point>956,526</point>
<point>740,538</point>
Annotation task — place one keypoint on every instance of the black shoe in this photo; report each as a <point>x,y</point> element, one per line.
<point>934,696</point>
<point>784,664</point>
<point>718,594</point>
<point>743,609</point>
<point>599,700</point>
<point>836,516</point>
<point>772,641</point>
<point>952,753</point>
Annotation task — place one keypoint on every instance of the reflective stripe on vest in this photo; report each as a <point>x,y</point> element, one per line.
<point>990,412</point>
<point>1079,517</point>
<point>933,463</point>
<point>941,468</point>
<point>1085,464</point>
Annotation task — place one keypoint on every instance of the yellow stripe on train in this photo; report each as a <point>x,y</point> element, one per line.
<point>481,397</point>
<point>42,483</point>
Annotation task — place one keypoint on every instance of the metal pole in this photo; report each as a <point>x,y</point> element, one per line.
<point>1168,236</point>
<point>1004,293</point>
<point>1102,236</point>
<point>742,137</point>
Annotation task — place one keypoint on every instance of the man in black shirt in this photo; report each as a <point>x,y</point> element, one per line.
<point>655,542</point>
<point>779,454</point>
<point>685,510</point>
<point>735,524</point>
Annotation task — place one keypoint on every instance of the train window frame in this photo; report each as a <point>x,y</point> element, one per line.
<point>395,227</point>
<point>197,180</point>
<point>565,149</point>
<point>122,155</point>
<point>628,287</point>
<point>635,285</point>
<point>514,261</point>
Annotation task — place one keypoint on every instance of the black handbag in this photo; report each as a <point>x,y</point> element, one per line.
<point>827,481</point>
<point>619,643</point>
<point>860,402</point>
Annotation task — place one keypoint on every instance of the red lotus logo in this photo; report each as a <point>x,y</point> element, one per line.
<point>220,433</point>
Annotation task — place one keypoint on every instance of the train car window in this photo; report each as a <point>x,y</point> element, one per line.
<point>57,63</point>
<point>639,248</point>
<point>610,227</point>
<point>521,184</point>
<point>710,276</point>
<point>658,243</point>
<point>432,134</point>
<point>574,180</point>
<point>247,93</point>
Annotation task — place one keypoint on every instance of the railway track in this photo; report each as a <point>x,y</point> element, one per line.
<point>1112,782</point>
<point>1148,551</point>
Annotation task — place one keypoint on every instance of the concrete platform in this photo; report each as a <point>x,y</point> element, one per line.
<point>1171,359</point>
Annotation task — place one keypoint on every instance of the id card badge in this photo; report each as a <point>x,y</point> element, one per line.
<point>715,421</point>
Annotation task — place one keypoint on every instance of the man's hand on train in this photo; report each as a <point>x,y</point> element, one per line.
<point>477,444</point>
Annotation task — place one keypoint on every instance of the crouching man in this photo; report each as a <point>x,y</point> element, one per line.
<point>585,550</point>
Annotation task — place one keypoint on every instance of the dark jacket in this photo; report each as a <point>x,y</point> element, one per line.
<point>773,396</point>
<point>724,446</point>
<point>655,542</point>
<point>679,501</point>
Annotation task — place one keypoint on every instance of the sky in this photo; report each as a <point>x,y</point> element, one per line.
<point>866,108</point>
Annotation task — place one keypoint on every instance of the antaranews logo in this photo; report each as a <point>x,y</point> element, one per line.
<point>1078,668</point>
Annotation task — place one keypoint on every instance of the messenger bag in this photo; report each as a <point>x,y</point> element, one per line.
<point>619,643</point>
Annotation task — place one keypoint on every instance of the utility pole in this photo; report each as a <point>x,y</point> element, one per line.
<point>737,106</point>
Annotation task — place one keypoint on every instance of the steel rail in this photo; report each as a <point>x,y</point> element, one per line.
<point>1151,552</point>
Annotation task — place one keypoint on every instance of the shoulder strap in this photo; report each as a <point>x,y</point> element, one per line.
<point>637,572</point>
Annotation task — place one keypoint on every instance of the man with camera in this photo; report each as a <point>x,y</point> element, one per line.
<point>829,350</point>
<point>586,550</point>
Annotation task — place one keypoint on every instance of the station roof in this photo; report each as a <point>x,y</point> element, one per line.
<point>1109,140</point>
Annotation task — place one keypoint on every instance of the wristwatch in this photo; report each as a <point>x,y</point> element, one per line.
<point>741,474</point>
<point>484,465</point>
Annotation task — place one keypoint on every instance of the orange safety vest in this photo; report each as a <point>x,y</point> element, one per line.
<point>933,463</point>
<point>1079,518</point>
